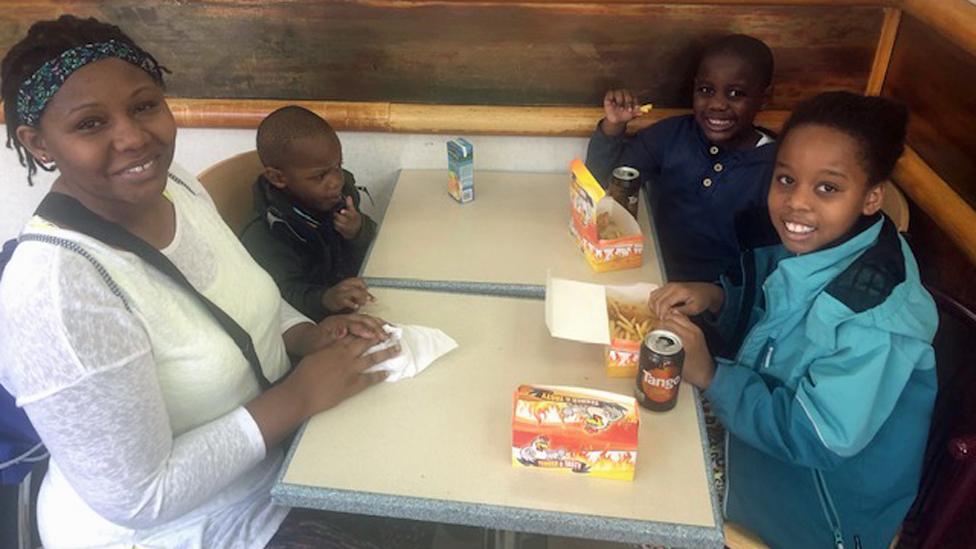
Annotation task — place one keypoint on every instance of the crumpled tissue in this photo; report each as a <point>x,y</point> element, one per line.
<point>419,347</point>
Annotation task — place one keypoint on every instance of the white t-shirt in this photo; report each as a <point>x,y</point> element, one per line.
<point>138,392</point>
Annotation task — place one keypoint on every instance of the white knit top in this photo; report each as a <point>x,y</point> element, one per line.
<point>137,392</point>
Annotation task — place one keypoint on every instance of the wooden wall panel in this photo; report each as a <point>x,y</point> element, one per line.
<point>487,53</point>
<point>935,78</point>
<point>941,262</point>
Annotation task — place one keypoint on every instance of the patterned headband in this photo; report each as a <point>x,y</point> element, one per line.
<point>37,90</point>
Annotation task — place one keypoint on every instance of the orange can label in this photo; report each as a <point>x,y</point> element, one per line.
<point>660,384</point>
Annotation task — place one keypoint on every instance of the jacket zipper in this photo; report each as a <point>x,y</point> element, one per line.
<point>827,505</point>
<point>770,346</point>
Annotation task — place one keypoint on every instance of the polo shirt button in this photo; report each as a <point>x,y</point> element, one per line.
<point>713,149</point>
<point>718,167</point>
<point>707,182</point>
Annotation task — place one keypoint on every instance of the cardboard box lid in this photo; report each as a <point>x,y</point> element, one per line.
<point>578,310</point>
<point>586,181</point>
<point>527,391</point>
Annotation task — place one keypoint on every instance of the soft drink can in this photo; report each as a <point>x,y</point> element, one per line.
<point>659,376</point>
<point>625,188</point>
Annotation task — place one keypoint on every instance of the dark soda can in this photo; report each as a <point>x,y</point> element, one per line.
<point>625,188</point>
<point>662,356</point>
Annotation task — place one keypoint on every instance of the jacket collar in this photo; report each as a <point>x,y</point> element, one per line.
<point>279,210</point>
<point>870,253</point>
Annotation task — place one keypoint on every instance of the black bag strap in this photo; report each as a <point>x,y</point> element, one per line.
<point>66,210</point>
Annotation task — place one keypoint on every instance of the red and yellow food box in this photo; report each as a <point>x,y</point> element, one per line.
<point>575,430</point>
<point>630,320</point>
<point>608,235</point>
<point>615,316</point>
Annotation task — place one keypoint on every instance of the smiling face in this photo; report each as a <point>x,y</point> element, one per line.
<point>110,133</point>
<point>820,188</point>
<point>312,171</point>
<point>728,94</point>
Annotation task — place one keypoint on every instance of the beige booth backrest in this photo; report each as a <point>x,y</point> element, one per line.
<point>229,182</point>
<point>895,206</point>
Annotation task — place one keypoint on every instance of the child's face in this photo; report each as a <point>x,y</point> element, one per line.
<point>313,171</point>
<point>110,133</point>
<point>727,96</point>
<point>819,189</point>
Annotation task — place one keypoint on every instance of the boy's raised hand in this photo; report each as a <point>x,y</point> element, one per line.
<point>348,221</point>
<point>348,295</point>
<point>699,368</point>
<point>687,298</point>
<point>619,107</point>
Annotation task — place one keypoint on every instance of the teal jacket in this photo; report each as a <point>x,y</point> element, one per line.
<point>829,393</point>
<point>303,252</point>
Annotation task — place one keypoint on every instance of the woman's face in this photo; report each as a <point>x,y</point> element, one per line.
<point>110,133</point>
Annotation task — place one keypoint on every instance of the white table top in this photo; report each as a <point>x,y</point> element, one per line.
<point>515,230</point>
<point>441,441</point>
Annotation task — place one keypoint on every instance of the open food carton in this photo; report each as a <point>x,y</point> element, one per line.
<point>615,316</point>
<point>571,429</point>
<point>608,235</point>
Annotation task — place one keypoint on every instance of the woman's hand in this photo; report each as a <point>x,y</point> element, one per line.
<point>687,298</point>
<point>321,380</point>
<point>304,339</point>
<point>699,368</point>
<point>334,373</point>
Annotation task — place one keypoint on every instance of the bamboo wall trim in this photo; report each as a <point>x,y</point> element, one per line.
<point>954,19</point>
<point>882,56</point>
<point>652,2</point>
<point>415,118</point>
<point>931,193</point>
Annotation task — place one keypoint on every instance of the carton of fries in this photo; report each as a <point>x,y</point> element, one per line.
<point>615,316</point>
<point>571,429</point>
<point>608,235</point>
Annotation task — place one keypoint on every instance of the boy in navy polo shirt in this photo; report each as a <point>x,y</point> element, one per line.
<point>700,169</point>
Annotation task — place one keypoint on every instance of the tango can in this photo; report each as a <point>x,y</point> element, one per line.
<point>661,357</point>
<point>624,187</point>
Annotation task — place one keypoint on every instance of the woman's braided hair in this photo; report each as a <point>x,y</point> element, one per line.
<point>47,40</point>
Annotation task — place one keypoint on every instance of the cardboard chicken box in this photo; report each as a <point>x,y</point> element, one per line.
<point>615,316</point>
<point>608,235</point>
<point>571,429</point>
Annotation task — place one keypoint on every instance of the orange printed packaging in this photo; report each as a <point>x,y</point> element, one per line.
<point>615,316</point>
<point>575,430</point>
<point>608,235</point>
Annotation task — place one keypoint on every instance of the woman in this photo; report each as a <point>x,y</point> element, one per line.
<point>158,431</point>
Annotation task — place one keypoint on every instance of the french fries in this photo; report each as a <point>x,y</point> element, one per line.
<point>646,108</point>
<point>630,321</point>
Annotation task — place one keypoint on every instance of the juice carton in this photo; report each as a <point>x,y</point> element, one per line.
<point>608,235</point>
<point>460,169</point>
<point>615,316</point>
<point>571,429</point>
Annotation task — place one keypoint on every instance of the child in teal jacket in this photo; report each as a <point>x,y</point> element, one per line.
<point>827,380</point>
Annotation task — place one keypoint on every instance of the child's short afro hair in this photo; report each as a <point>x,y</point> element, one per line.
<point>753,51</point>
<point>283,126</point>
<point>877,124</point>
